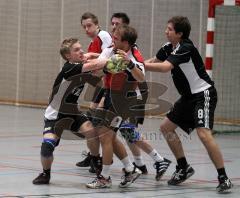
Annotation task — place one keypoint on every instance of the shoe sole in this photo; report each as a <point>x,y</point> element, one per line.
<point>82,166</point>
<point>40,183</point>
<point>99,187</point>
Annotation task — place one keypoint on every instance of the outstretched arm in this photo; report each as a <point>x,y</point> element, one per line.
<point>94,64</point>
<point>154,64</point>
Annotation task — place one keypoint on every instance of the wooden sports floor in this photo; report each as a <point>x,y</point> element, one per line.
<point>20,140</point>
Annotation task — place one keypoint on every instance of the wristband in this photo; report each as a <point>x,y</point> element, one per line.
<point>130,65</point>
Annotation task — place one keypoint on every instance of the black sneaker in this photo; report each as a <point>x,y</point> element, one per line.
<point>224,184</point>
<point>42,178</point>
<point>141,168</point>
<point>180,175</point>
<point>86,161</point>
<point>96,165</point>
<point>129,178</point>
<point>161,168</point>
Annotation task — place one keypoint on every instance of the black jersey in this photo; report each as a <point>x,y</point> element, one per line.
<point>66,91</point>
<point>189,74</point>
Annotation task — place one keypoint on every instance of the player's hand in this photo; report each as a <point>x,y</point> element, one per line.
<point>115,64</point>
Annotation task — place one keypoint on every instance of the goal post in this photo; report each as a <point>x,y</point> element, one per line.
<point>222,61</point>
<point>211,29</point>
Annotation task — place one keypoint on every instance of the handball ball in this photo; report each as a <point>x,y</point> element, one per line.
<point>116,64</point>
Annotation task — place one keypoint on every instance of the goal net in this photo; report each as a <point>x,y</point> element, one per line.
<point>226,65</point>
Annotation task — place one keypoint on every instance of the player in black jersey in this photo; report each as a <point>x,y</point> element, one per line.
<point>196,106</point>
<point>62,112</point>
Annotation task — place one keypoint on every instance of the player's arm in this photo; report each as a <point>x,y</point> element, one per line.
<point>152,60</point>
<point>163,67</point>
<point>136,72</point>
<point>136,68</point>
<point>94,64</point>
<point>91,55</point>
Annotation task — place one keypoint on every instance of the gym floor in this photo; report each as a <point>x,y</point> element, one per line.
<point>20,140</point>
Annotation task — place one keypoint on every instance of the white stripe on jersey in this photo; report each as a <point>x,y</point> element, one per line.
<point>139,64</point>
<point>206,108</point>
<point>196,84</point>
<point>105,38</point>
<point>52,110</point>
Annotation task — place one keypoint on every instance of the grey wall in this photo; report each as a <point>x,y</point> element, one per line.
<point>31,32</point>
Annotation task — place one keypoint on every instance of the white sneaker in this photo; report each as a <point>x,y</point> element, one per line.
<point>100,182</point>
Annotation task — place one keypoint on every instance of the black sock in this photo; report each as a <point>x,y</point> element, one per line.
<point>182,162</point>
<point>221,171</point>
<point>48,171</point>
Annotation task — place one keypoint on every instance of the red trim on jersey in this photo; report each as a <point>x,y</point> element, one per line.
<point>107,80</point>
<point>137,55</point>
<point>96,45</point>
<point>116,81</point>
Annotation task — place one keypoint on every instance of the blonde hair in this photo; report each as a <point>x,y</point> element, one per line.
<point>66,46</point>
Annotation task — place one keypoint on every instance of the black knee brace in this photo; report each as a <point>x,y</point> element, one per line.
<point>47,149</point>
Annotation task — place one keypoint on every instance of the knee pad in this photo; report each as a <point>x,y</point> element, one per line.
<point>47,148</point>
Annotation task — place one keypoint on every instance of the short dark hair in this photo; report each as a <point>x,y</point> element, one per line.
<point>127,33</point>
<point>181,24</point>
<point>123,16</point>
<point>89,15</point>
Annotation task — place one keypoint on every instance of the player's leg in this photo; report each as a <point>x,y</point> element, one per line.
<point>215,155</point>
<point>90,133</point>
<point>161,164</point>
<point>131,173</point>
<point>97,101</point>
<point>136,142</point>
<point>181,115</point>
<point>103,180</point>
<point>50,141</point>
<point>204,118</point>
<point>129,133</point>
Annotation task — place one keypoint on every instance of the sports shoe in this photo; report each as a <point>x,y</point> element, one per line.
<point>42,178</point>
<point>100,182</point>
<point>96,165</point>
<point>129,178</point>
<point>141,168</point>
<point>224,184</point>
<point>86,161</point>
<point>180,175</point>
<point>161,167</point>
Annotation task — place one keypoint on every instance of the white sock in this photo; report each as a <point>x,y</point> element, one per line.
<point>127,164</point>
<point>105,171</point>
<point>156,156</point>
<point>138,160</point>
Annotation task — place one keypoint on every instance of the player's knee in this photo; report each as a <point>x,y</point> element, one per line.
<point>47,148</point>
<point>204,135</point>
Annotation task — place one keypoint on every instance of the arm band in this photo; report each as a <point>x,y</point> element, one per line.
<point>130,65</point>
